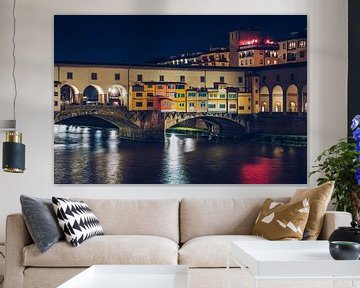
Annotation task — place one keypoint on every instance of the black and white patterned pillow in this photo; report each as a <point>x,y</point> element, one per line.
<point>77,220</point>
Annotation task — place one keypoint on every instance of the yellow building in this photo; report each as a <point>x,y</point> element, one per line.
<point>258,56</point>
<point>293,50</point>
<point>232,100</point>
<point>137,99</point>
<point>191,100</point>
<point>244,103</point>
<point>57,96</point>
<point>180,97</point>
<point>217,100</point>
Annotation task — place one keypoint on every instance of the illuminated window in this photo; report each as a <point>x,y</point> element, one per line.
<point>302,43</point>
<point>93,76</point>
<point>291,45</point>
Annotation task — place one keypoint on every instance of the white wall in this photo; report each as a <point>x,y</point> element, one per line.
<point>327,20</point>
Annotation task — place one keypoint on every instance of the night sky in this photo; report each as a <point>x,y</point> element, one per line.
<point>140,39</point>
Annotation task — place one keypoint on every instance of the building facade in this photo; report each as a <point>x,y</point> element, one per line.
<point>279,88</point>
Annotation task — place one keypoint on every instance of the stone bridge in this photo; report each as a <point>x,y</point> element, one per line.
<point>144,125</point>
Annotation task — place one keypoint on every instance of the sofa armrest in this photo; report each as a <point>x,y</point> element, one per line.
<point>333,220</point>
<point>17,237</point>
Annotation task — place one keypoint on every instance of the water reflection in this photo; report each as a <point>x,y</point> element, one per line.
<point>93,155</point>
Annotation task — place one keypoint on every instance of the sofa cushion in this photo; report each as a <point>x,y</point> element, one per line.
<point>211,251</point>
<point>158,217</point>
<point>279,221</point>
<point>77,220</point>
<point>319,198</point>
<point>107,249</point>
<point>41,221</point>
<point>201,217</point>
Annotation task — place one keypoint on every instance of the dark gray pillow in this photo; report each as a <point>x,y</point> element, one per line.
<point>41,221</point>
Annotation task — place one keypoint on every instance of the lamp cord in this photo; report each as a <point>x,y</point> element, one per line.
<point>2,280</point>
<point>14,61</point>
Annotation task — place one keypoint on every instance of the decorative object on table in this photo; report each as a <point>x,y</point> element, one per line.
<point>41,221</point>
<point>319,198</point>
<point>344,250</point>
<point>13,149</point>
<point>351,233</point>
<point>341,163</point>
<point>279,221</point>
<point>77,220</point>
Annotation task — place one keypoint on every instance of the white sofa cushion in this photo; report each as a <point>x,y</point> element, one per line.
<point>201,217</point>
<point>107,249</point>
<point>211,251</point>
<point>159,217</point>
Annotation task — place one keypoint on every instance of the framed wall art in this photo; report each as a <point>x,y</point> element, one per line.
<point>210,99</point>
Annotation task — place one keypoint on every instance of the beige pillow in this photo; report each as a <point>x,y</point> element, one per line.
<point>319,198</point>
<point>279,221</point>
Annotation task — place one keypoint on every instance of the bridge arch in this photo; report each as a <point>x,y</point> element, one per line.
<point>304,98</point>
<point>69,94</point>
<point>277,99</point>
<point>292,98</point>
<point>117,95</point>
<point>94,94</point>
<point>264,99</point>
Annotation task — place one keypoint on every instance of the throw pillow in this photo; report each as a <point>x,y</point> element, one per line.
<point>319,198</point>
<point>279,221</point>
<point>77,220</point>
<point>41,222</point>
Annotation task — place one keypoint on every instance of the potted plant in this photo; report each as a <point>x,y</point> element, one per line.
<point>341,163</point>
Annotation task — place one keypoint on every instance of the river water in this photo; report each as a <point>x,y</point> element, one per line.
<point>97,155</point>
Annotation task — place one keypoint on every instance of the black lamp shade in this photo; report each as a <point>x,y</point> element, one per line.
<point>13,157</point>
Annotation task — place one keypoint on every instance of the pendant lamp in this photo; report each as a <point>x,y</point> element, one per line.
<point>13,149</point>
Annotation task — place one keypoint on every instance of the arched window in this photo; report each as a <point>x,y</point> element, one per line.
<point>91,95</point>
<point>277,98</point>
<point>264,106</point>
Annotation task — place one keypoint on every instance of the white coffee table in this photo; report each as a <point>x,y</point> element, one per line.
<point>131,276</point>
<point>293,260</point>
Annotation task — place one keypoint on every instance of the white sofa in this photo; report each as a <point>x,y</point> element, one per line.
<point>194,232</point>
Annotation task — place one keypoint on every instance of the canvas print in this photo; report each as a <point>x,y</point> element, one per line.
<point>190,99</point>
